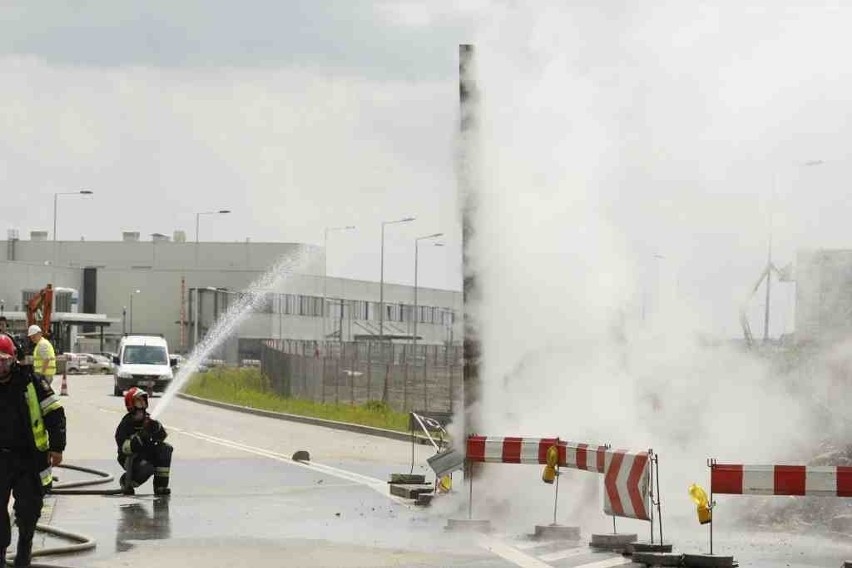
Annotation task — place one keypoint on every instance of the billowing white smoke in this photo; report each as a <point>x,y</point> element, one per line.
<point>573,346</point>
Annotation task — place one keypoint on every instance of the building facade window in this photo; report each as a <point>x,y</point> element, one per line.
<point>312,306</point>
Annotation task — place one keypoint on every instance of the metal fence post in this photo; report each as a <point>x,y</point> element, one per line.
<point>337,381</point>
<point>322,380</point>
<point>369,371</point>
<point>426,382</point>
<point>405,388</point>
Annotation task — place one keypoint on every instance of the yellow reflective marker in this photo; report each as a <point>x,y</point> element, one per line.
<point>552,456</point>
<point>550,473</point>
<point>702,502</point>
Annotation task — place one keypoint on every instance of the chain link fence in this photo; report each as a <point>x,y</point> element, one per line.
<point>406,377</point>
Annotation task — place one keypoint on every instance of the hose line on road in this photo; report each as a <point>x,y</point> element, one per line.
<point>81,542</point>
<point>103,477</point>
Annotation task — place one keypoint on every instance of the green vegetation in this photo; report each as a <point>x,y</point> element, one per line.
<point>248,387</point>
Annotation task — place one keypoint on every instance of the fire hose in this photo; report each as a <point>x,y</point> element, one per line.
<point>80,542</point>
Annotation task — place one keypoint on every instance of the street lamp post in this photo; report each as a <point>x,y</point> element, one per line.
<point>198,222</point>
<point>325,270</point>
<point>382,276</point>
<point>123,320</point>
<point>131,308</point>
<point>416,252</point>
<point>55,206</point>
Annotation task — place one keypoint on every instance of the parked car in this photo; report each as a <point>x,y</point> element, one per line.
<point>76,364</point>
<point>98,363</point>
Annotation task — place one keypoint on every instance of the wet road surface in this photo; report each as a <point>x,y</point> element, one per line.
<point>238,499</point>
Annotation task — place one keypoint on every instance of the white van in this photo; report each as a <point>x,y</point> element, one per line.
<point>143,361</point>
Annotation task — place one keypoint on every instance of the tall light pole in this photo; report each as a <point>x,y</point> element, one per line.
<point>416,252</point>
<point>131,308</point>
<point>382,277</point>
<point>123,320</point>
<point>55,205</point>
<point>325,270</point>
<point>198,222</point>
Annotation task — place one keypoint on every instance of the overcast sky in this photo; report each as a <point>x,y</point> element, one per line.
<point>682,119</point>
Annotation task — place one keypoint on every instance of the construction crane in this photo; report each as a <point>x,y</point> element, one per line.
<point>40,310</point>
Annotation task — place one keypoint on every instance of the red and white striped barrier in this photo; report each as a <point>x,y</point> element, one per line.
<point>626,474</point>
<point>497,449</point>
<point>739,479</point>
<point>626,484</point>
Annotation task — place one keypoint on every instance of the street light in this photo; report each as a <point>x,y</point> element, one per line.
<point>198,221</point>
<point>131,308</point>
<point>325,271</point>
<point>123,320</point>
<point>382,277</point>
<point>416,251</point>
<point>55,205</point>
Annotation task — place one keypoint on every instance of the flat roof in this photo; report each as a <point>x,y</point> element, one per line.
<point>68,317</point>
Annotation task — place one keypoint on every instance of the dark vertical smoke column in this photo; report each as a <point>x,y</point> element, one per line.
<point>467,178</point>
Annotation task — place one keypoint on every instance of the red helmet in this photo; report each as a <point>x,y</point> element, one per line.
<point>7,354</point>
<point>131,395</point>
<point>7,346</point>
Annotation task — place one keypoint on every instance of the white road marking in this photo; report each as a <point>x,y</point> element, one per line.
<point>526,545</point>
<point>617,561</point>
<point>510,553</point>
<point>494,546</point>
<point>562,554</point>
<point>371,482</point>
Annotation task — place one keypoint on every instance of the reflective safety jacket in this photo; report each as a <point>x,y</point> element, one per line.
<point>43,351</point>
<point>45,416</point>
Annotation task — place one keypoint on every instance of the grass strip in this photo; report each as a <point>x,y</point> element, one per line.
<point>248,387</point>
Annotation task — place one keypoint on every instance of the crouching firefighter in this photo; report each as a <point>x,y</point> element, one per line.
<point>142,450</point>
<point>32,439</point>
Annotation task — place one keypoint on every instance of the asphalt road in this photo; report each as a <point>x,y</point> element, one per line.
<point>238,499</point>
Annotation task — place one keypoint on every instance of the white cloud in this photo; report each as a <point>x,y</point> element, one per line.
<point>289,151</point>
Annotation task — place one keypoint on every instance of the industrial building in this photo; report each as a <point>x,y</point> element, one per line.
<point>168,286</point>
<point>823,296</point>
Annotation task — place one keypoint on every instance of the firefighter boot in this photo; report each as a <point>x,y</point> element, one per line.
<point>126,486</point>
<point>161,485</point>
<point>24,552</point>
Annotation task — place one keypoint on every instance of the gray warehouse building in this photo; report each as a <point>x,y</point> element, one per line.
<point>823,295</point>
<point>178,289</point>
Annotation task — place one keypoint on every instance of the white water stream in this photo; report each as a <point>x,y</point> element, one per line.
<point>228,322</point>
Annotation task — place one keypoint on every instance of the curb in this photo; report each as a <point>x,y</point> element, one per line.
<point>348,426</point>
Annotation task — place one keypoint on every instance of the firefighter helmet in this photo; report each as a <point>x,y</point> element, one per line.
<point>7,354</point>
<point>131,395</point>
<point>7,346</point>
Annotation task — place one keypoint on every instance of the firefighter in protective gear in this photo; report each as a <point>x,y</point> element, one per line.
<point>142,450</point>
<point>32,439</point>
